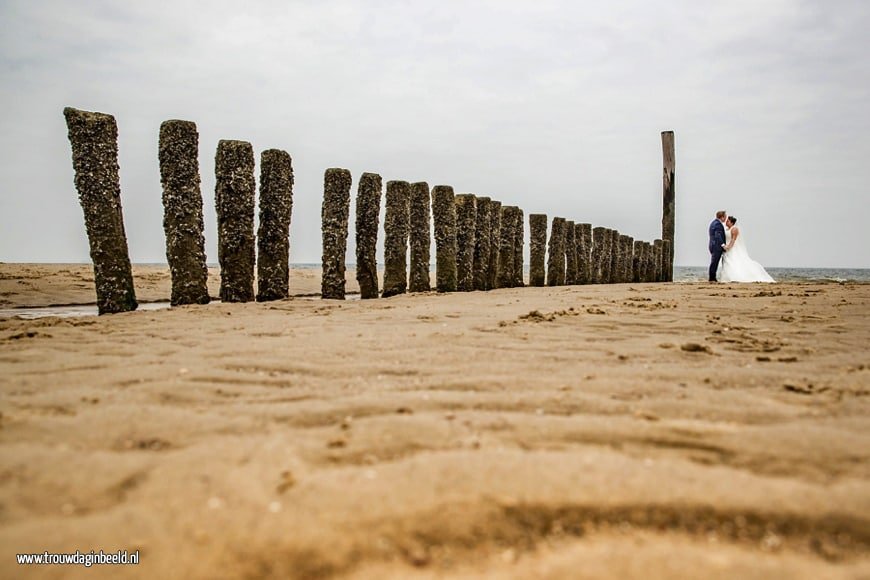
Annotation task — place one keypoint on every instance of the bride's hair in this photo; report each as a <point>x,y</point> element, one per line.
<point>733,219</point>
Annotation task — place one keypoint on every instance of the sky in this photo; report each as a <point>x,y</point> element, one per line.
<point>555,106</point>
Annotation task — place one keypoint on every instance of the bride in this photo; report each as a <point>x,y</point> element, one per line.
<point>737,266</point>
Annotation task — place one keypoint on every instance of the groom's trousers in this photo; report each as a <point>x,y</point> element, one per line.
<point>715,258</point>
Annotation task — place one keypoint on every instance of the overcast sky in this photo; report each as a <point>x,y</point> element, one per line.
<point>555,106</point>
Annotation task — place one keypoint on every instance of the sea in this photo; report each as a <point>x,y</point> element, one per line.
<point>699,273</point>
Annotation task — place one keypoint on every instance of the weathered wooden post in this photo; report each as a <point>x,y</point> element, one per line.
<point>506,248</point>
<point>494,243</point>
<point>482,251</point>
<point>627,258</point>
<point>637,262</point>
<point>606,249</point>
<point>537,248</point>
<point>94,141</point>
<point>570,253</point>
<point>598,234</point>
<point>397,225</point>
<point>178,153</point>
<point>583,236</point>
<point>556,253</point>
<point>368,209</point>
<point>668,202</point>
<point>466,218</point>
<point>649,259</point>
<point>667,251</point>
<point>334,216</point>
<point>273,235</point>
<point>658,246</point>
<point>420,251</point>
<point>519,240</point>
<point>234,202</point>
<point>444,220</point>
<point>613,270</point>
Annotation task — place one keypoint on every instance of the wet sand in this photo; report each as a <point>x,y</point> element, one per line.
<point>624,431</point>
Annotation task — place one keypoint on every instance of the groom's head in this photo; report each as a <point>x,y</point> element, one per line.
<point>720,215</point>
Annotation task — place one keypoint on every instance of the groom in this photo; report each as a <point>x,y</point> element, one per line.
<point>717,243</point>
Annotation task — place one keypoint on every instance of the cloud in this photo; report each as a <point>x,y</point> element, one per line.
<point>553,105</point>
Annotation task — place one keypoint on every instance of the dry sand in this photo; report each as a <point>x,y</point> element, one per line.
<point>524,433</point>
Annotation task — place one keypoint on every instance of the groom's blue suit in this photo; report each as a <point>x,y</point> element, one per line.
<point>717,240</point>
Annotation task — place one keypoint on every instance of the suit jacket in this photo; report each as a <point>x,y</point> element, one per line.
<point>717,236</point>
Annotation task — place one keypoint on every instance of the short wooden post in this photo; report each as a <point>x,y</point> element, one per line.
<point>234,202</point>
<point>537,248</point>
<point>368,209</point>
<point>397,226</point>
<point>444,222</point>
<point>334,217</point>
<point>420,237</point>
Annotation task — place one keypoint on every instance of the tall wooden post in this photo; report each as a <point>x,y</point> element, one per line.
<point>668,201</point>
<point>466,218</point>
<point>94,141</point>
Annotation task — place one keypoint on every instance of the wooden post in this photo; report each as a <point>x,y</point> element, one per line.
<point>334,218</point>
<point>556,253</point>
<point>368,209</point>
<point>94,141</point>
<point>494,243</point>
<point>667,251</point>
<point>598,235</point>
<point>659,257</point>
<point>519,241</point>
<point>627,243</point>
<point>444,221</point>
<point>637,262</point>
<point>570,253</point>
<point>537,248</point>
<point>668,202</point>
<point>583,236</point>
<point>506,248</point>
<point>482,251</point>
<point>178,153</point>
<point>397,225</point>
<point>420,237</point>
<point>650,261</point>
<point>273,236</point>
<point>466,218</point>
<point>234,202</point>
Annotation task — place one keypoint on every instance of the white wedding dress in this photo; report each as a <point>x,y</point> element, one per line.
<point>737,266</point>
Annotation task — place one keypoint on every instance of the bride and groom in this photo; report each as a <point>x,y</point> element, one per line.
<point>728,250</point>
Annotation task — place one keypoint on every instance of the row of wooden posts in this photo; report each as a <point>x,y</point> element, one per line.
<point>478,241</point>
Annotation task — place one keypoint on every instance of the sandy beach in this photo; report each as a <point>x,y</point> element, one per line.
<point>623,431</point>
